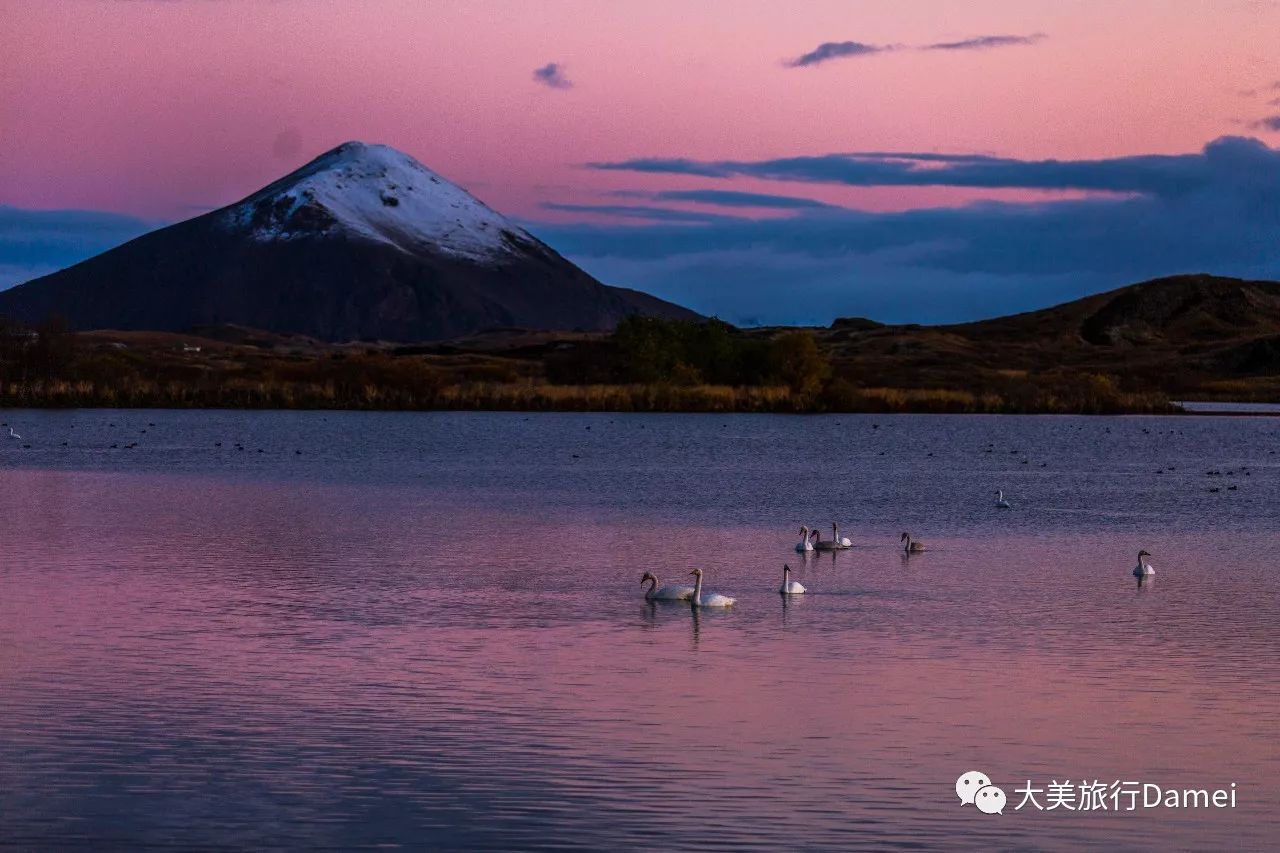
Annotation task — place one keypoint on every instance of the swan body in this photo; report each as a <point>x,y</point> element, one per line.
<point>910,546</point>
<point>1143,569</point>
<point>790,587</point>
<point>835,544</point>
<point>804,544</point>
<point>1001,503</point>
<point>711,599</point>
<point>666,593</point>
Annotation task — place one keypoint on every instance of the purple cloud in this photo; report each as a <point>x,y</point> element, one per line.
<point>829,50</point>
<point>835,50</point>
<point>986,42</point>
<point>552,76</point>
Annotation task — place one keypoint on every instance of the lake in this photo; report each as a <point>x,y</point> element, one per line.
<point>427,629</point>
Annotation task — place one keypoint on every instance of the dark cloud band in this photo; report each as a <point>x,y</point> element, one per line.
<point>1158,174</point>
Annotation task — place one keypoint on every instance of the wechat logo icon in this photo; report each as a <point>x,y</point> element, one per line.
<point>975,788</point>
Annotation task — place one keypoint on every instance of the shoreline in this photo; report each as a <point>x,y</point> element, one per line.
<point>168,406</point>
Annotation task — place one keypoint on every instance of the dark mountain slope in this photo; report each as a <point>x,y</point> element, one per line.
<point>362,243</point>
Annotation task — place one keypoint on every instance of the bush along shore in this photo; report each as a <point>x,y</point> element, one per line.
<point>646,365</point>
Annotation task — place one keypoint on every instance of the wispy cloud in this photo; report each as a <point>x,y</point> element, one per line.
<point>642,211</point>
<point>829,50</point>
<point>986,42</point>
<point>552,75</point>
<point>1268,123</point>
<point>730,198</point>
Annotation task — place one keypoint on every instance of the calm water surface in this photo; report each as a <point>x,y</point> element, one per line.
<point>427,630</point>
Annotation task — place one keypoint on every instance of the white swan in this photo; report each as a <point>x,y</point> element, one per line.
<point>845,541</point>
<point>911,546</point>
<point>1001,503</point>
<point>712,599</point>
<point>666,593</point>
<point>804,544</point>
<point>790,587</point>
<point>1143,569</point>
<point>13,434</point>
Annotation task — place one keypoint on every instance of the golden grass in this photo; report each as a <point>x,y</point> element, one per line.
<point>535,395</point>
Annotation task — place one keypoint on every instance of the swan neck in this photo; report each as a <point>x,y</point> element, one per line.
<point>697,590</point>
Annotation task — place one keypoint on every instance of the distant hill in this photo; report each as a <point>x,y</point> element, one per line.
<point>1192,332</point>
<point>364,243</point>
<point>1178,309</point>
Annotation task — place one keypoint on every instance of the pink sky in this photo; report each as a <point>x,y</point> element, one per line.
<point>165,108</point>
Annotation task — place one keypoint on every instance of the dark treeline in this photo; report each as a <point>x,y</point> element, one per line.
<point>645,365</point>
<point>646,350</point>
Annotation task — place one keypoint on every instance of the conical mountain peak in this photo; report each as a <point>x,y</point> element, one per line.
<point>375,192</point>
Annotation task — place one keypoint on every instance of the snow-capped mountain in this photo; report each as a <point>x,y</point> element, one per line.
<point>363,242</point>
<point>378,193</point>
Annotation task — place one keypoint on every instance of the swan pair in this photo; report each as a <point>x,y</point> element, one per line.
<point>811,540</point>
<point>835,543</point>
<point>692,594</point>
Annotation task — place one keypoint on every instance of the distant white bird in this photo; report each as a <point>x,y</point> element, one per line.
<point>790,587</point>
<point>13,434</point>
<point>666,593</point>
<point>804,544</point>
<point>910,546</point>
<point>1143,569</point>
<point>712,599</point>
<point>1001,503</point>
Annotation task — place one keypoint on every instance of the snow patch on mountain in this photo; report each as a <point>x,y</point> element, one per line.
<point>378,193</point>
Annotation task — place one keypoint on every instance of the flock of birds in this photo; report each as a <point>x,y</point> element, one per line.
<point>131,445</point>
<point>811,540</point>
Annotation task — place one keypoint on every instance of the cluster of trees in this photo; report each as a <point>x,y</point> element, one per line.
<point>649,350</point>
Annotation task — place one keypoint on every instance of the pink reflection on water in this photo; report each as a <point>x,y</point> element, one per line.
<point>318,646</point>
